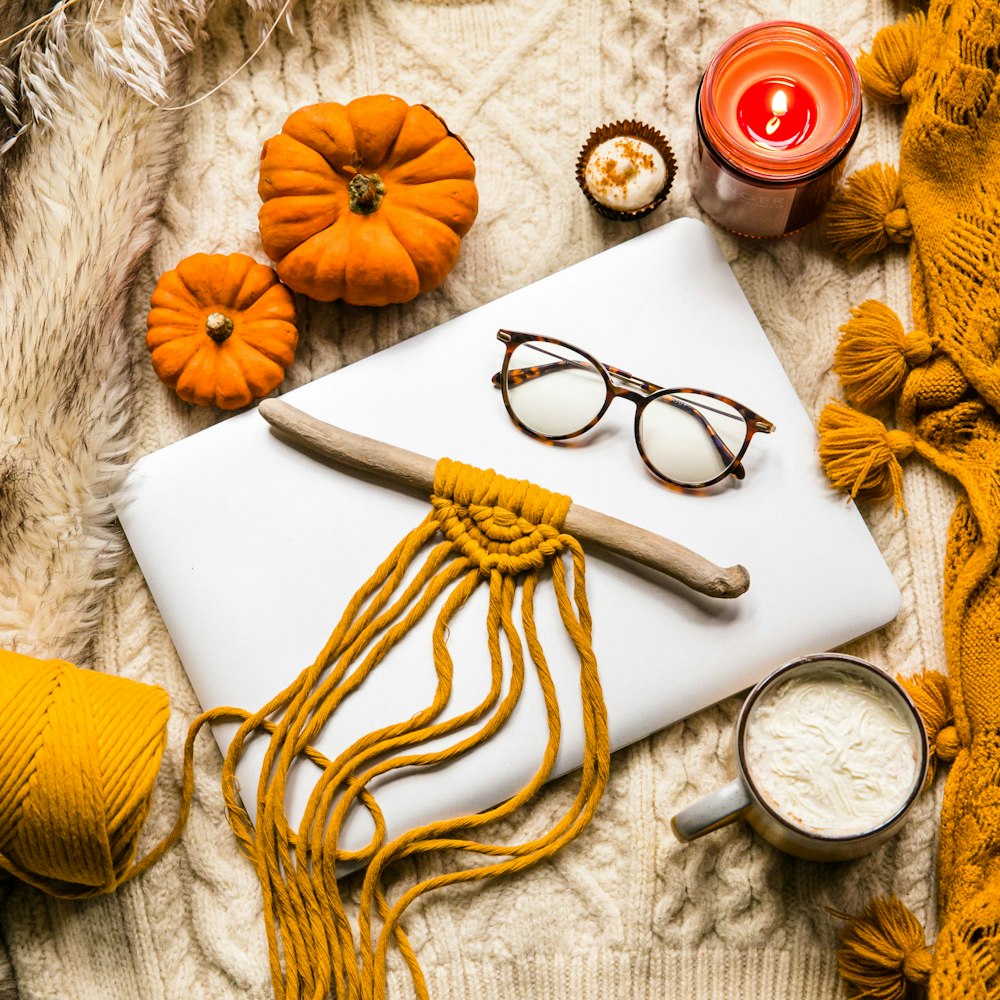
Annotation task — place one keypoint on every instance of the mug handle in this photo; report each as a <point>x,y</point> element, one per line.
<point>712,811</point>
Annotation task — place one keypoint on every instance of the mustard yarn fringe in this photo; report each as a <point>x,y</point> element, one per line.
<point>868,214</point>
<point>931,697</point>
<point>888,72</point>
<point>861,456</point>
<point>484,530</point>
<point>874,355</point>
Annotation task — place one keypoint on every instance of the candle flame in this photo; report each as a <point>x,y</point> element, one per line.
<point>779,106</point>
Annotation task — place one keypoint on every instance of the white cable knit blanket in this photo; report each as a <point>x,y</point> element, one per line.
<point>97,203</point>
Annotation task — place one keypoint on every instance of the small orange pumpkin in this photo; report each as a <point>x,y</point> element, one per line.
<point>366,202</point>
<point>221,330</point>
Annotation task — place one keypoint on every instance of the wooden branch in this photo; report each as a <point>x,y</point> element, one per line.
<point>587,525</point>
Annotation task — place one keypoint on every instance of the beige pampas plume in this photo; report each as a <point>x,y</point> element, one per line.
<point>133,42</point>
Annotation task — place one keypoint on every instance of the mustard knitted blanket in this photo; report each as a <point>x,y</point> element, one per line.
<point>945,66</point>
<point>113,193</point>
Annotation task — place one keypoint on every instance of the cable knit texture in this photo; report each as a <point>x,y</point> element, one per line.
<point>623,911</point>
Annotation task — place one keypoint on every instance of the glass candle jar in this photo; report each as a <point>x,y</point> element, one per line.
<point>777,112</point>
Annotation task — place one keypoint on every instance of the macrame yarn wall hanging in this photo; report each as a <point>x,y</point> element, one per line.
<point>79,751</point>
<point>944,379</point>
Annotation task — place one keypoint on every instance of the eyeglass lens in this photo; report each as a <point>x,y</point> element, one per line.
<point>691,438</point>
<point>687,437</point>
<point>553,390</point>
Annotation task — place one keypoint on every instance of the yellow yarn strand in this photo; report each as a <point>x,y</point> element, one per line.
<point>501,532</point>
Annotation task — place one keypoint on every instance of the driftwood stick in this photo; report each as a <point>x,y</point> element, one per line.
<point>415,470</point>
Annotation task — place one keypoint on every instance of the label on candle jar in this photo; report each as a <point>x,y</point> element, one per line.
<point>756,209</point>
<point>746,207</point>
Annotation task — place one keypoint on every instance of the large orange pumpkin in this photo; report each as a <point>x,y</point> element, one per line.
<point>367,201</point>
<point>221,329</point>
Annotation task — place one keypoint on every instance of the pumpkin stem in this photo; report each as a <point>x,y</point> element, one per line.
<point>218,327</point>
<point>365,193</point>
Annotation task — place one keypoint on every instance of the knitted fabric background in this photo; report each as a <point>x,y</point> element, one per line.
<point>624,910</point>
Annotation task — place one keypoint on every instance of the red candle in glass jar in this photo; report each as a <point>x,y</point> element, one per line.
<point>777,112</point>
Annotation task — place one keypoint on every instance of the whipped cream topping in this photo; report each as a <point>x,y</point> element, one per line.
<point>625,173</point>
<point>832,752</point>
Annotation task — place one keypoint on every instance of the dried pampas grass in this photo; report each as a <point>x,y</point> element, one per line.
<point>132,42</point>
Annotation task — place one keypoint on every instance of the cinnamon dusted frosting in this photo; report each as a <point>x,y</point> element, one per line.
<point>625,173</point>
<point>832,752</point>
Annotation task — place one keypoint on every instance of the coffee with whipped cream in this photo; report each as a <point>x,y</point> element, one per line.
<point>833,752</point>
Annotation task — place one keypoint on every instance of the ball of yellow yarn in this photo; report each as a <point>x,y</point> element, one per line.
<point>79,754</point>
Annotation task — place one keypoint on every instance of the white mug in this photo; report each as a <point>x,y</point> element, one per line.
<point>818,774</point>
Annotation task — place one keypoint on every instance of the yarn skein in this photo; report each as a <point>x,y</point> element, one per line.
<point>79,755</point>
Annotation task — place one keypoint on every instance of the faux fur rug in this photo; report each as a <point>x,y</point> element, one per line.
<point>78,205</point>
<point>100,193</point>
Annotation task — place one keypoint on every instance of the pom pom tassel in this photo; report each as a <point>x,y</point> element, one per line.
<point>861,456</point>
<point>888,72</point>
<point>930,694</point>
<point>868,213</point>
<point>883,953</point>
<point>874,355</point>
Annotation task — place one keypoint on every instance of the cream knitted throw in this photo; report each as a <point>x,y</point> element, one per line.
<point>622,912</point>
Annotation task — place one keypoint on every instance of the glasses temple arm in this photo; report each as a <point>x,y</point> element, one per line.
<point>517,376</point>
<point>536,371</point>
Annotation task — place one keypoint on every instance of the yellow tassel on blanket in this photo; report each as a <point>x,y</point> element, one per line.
<point>930,694</point>
<point>868,213</point>
<point>861,456</point>
<point>888,72</point>
<point>874,355</point>
<point>883,953</point>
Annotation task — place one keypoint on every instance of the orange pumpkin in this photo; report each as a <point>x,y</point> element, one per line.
<point>366,202</point>
<point>221,329</point>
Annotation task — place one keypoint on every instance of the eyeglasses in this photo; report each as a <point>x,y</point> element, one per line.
<point>688,438</point>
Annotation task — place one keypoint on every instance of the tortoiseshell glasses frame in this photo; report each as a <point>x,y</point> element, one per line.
<point>640,392</point>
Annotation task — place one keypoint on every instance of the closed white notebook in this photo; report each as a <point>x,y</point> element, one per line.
<point>252,548</point>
